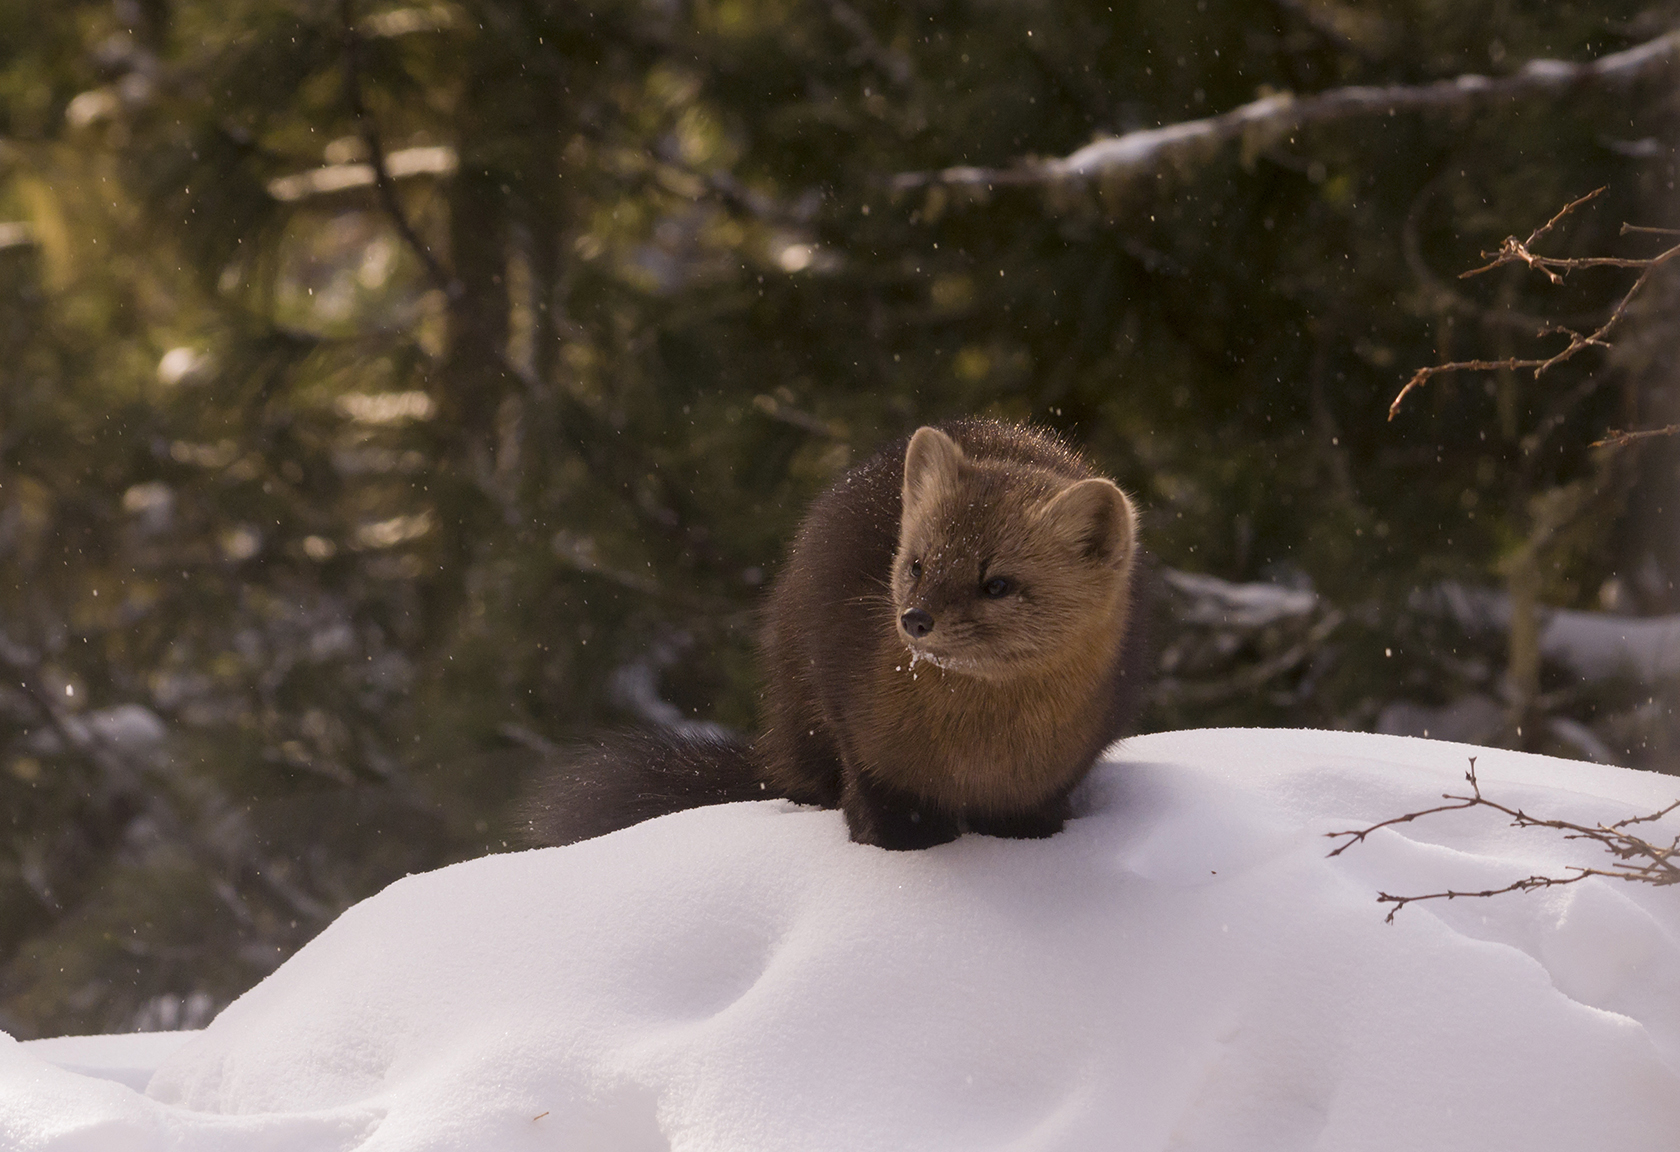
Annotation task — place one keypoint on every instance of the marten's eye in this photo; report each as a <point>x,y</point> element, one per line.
<point>915,569</point>
<point>997,586</point>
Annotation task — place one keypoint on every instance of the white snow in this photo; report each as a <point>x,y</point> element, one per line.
<point>1220,602</point>
<point>1598,644</point>
<point>1593,645</point>
<point>1182,969</point>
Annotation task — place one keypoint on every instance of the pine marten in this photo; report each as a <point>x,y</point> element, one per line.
<point>955,637</point>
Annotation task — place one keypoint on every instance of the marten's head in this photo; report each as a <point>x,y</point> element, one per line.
<point>1004,567</point>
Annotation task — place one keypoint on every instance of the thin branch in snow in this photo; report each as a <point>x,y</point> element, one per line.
<point>1147,151</point>
<point>1636,858</point>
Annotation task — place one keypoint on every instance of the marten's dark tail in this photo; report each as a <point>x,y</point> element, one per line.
<point>621,779</point>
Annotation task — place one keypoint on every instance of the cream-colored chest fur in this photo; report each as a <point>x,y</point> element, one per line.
<point>967,742</point>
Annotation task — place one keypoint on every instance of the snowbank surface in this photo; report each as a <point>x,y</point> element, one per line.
<point>1183,968</point>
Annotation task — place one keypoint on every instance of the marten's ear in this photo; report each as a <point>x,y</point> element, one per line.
<point>1097,518</point>
<point>930,466</point>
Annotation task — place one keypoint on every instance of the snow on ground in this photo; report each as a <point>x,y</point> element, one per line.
<point>1182,969</point>
<point>130,1058</point>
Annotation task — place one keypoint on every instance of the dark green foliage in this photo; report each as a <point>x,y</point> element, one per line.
<point>368,498</point>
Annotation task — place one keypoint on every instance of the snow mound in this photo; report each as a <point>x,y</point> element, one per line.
<point>1182,969</point>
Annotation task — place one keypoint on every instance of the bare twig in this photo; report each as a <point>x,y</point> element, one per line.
<point>1440,295</point>
<point>1253,679</point>
<point>1150,150</point>
<point>892,64</point>
<point>1635,857</point>
<point>1327,22</point>
<point>1514,251</point>
<point>1615,438</point>
<point>1423,375</point>
<point>124,774</point>
<point>76,738</point>
<point>385,186</point>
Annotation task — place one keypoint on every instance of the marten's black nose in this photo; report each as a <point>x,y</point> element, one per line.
<point>917,622</point>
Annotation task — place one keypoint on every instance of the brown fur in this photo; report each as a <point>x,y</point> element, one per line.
<point>898,688</point>
<point>988,720</point>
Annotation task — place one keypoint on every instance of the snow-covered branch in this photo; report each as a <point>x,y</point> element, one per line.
<point>1592,645</point>
<point>435,160</point>
<point>1147,151</point>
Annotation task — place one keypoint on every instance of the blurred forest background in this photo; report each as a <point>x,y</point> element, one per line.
<point>390,391</point>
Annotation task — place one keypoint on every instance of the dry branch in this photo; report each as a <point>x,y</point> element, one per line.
<point>1148,151</point>
<point>893,64</point>
<point>231,849</point>
<point>1514,251</point>
<point>384,184</point>
<point>1635,857</point>
<point>1615,438</point>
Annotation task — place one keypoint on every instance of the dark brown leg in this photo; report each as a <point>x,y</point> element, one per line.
<point>1045,820</point>
<point>889,818</point>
